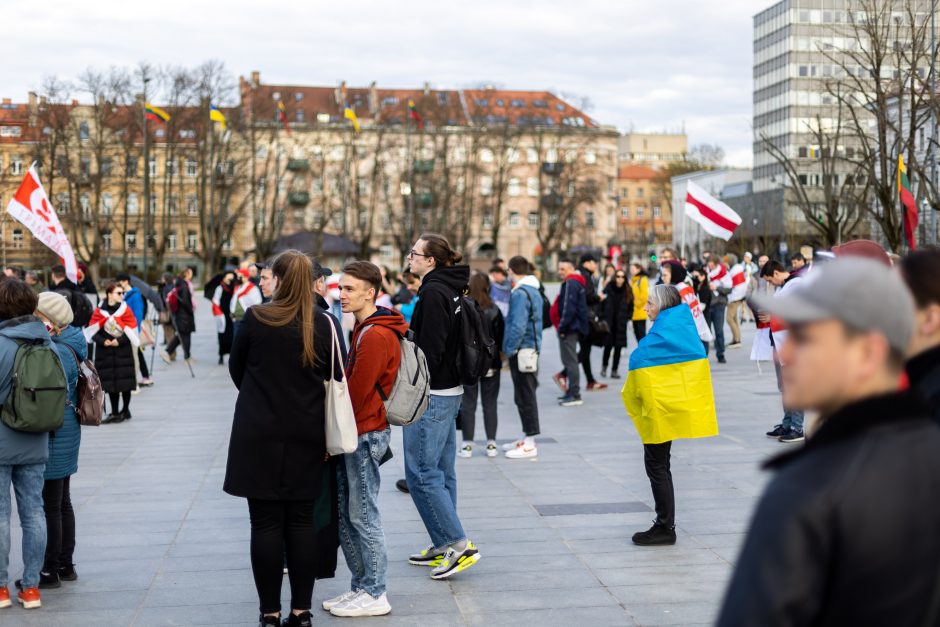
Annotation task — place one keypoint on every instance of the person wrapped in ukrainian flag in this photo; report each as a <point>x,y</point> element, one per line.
<point>668,394</point>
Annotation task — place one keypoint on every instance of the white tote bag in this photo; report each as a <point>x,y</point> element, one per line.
<point>341,433</point>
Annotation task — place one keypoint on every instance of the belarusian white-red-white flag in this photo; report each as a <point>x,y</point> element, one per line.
<point>717,218</point>
<point>31,206</point>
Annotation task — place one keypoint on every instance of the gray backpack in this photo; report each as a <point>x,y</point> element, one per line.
<point>409,396</point>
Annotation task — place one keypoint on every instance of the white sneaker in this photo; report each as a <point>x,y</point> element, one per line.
<point>465,451</point>
<point>522,452</point>
<point>165,356</point>
<point>491,450</point>
<point>329,604</point>
<point>363,604</point>
<point>514,444</point>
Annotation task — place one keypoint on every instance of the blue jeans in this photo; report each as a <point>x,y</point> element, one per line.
<point>716,319</point>
<point>792,419</point>
<point>27,483</point>
<point>430,452</point>
<point>360,524</point>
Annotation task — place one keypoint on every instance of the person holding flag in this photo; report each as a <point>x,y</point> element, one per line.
<point>113,329</point>
<point>668,394</point>
<point>739,284</point>
<point>719,281</point>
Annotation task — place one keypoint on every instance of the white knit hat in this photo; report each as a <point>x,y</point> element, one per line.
<point>56,308</point>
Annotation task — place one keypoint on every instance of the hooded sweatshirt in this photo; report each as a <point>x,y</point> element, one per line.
<point>374,357</point>
<point>17,447</point>
<point>63,448</point>
<point>436,326</point>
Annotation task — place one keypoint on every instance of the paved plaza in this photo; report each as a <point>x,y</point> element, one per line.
<point>159,543</point>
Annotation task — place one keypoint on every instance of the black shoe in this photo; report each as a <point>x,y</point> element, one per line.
<point>604,372</point>
<point>792,435</point>
<point>777,432</point>
<point>126,414</point>
<point>722,360</point>
<point>67,573</point>
<point>302,620</point>
<point>49,580</point>
<point>402,486</point>
<point>614,375</point>
<point>657,535</point>
<point>113,418</point>
<point>220,360</point>
<point>268,621</point>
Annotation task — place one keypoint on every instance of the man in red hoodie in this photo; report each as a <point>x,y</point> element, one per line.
<point>372,365</point>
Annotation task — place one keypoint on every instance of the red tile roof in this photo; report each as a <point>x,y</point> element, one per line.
<point>637,172</point>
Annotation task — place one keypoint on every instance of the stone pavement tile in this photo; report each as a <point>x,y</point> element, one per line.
<point>557,617</point>
<point>632,556</point>
<point>674,613</point>
<point>245,612</point>
<point>703,591</point>
<point>542,561</point>
<point>476,602</point>
<point>527,580</point>
<point>228,561</point>
<point>46,617</point>
<point>217,591</point>
<point>628,575</point>
<point>66,598</point>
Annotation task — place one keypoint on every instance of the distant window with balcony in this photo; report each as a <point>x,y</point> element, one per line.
<point>191,167</point>
<point>190,240</point>
<point>18,240</point>
<point>171,242</point>
<point>130,240</point>
<point>533,220</point>
<point>106,240</point>
<point>107,204</point>
<point>514,187</point>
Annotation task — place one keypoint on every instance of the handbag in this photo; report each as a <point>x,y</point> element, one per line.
<point>527,359</point>
<point>599,330</point>
<point>89,394</point>
<point>341,433</point>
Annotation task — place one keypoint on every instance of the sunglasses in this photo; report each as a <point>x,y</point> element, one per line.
<point>415,253</point>
<point>118,293</point>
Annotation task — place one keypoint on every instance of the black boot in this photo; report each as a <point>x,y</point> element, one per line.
<point>220,360</point>
<point>49,580</point>
<point>298,620</point>
<point>67,573</point>
<point>269,621</point>
<point>126,414</point>
<point>657,535</point>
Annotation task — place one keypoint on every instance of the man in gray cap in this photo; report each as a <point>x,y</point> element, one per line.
<point>846,533</point>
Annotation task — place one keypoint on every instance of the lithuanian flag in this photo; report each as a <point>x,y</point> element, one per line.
<point>282,115</point>
<point>350,115</point>
<point>910,205</point>
<point>156,114</point>
<point>668,391</point>
<point>414,115</point>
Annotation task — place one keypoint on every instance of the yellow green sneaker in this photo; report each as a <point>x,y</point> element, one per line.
<point>431,556</point>
<point>456,561</point>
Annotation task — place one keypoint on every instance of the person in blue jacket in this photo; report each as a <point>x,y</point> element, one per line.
<point>22,455</point>
<point>573,326</point>
<point>135,300</point>
<point>69,343</point>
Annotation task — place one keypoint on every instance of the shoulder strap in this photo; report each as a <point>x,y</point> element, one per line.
<point>532,312</point>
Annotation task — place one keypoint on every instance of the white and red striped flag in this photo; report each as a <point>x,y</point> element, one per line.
<point>717,218</point>
<point>31,206</point>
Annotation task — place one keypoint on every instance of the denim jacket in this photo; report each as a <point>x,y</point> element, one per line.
<point>524,323</point>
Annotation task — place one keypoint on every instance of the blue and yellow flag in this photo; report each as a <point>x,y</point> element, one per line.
<point>217,116</point>
<point>668,391</point>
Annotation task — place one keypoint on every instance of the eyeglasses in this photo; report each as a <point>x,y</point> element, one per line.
<point>118,293</point>
<point>415,253</point>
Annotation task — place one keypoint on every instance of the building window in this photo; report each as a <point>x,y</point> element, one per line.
<point>487,220</point>
<point>170,167</point>
<point>514,188</point>
<point>16,166</point>
<point>132,206</point>
<point>514,219</point>
<point>316,187</point>
<point>625,213</point>
<point>486,185</point>
<point>299,115</point>
<point>512,155</point>
<point>18,241</point>
<point>589,219</point>
<point>190,240</point>
<point>590,157</point>
<point>106,240</point>
<point>106,166</point>
<point>640,211</point>
<point>63,202</point>
<point>173,203</point>
<point>85,203</point>
<point>551,155</point>
<point>639,192</point>
<point>533,219</point>
<point>657,212</point>
<point>191,166</point>
<point>130,167</point>
<point>153,167</point>
<point>153,204</point>
<point>84,164</point>
<point>171,241</point>
<point>486,156</point>
<point>83,131</point>
<point>187,133</point>
<point>387,251</point>
<point>10,131</point>
<point>106,204</point>
<point>192,206</point>
<point>532,155</point>
<point>532,186</point>
<point>130,240</point>
<point>363,185</point>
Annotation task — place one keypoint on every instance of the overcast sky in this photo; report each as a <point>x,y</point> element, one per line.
<point>646,65</point>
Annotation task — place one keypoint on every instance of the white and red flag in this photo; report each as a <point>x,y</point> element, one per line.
<point>31,206</point>
<point>717,218</point>
<point>689,298</point>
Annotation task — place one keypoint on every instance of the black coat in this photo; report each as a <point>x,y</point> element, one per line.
<point>496,325</point>
<point>617,310</point>
<point>115,364</point>
<point>924,373</point>
<point>846,533</point>
<point>225,338</point>
<point>184,316</point>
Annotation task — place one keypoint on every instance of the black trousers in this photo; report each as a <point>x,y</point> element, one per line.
<point>279,529</point>
<point>656,457</point>
<point>114,396</point>
<point>524,385</point>
<point>60,524</point>
<point>488,389</point>
<point>639,329</point>
<point>142,360</point>
<point>616,351</point>
<point>180,338</point>
<point>584,357</point>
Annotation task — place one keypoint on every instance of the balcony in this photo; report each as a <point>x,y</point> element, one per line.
<point>424,199</point>
<point>552,200</point>
<point>552,169</point>
<point>298,198</point>
<point>423,166</point>
<point>298,165</point>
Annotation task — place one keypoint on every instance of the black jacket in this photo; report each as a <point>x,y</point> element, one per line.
<point>494,322</point>
<point>847,532</point>
<point>590,289</point>
<point>184,317</point>
<point>435,323</point>
<point>924,373</point>
<point>115,364</point>
<point>617,310</point>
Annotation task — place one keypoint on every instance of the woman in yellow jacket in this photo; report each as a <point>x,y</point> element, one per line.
<point>641,288</point>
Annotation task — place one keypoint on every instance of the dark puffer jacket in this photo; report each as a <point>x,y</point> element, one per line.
<point>63,448</point>
<point>617,310</point>
<point>115,364</point>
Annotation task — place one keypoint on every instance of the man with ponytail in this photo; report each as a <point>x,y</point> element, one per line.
<point>431,441</point>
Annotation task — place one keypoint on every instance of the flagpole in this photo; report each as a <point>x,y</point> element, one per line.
<point>146,79</point>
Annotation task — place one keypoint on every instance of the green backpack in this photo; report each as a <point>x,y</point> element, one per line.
<point>38,391</point>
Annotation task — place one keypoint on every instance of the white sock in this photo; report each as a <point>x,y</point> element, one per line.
<point>530,441</point>
<point>491,442</point>
<point>466,444</point>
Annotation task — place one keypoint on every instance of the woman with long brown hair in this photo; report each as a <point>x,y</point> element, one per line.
<point>277,453</point>
<point>488,386</point>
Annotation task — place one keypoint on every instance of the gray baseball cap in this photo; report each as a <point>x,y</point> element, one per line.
<point>861,293</point>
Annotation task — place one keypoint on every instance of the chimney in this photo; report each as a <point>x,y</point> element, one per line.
<point>74,102</point>
<point>427,89</point>
<point>373,99</point>
<point>32,108</point>
<point>255,79</point>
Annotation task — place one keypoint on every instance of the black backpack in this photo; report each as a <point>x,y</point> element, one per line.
<point>477,349</point>
<point>81,306</point>
<point>546,308</point>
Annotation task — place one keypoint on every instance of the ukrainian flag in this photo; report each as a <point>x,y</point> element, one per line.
<point>668,391</point>
<point>216,115</point>
<point>350,115</point>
